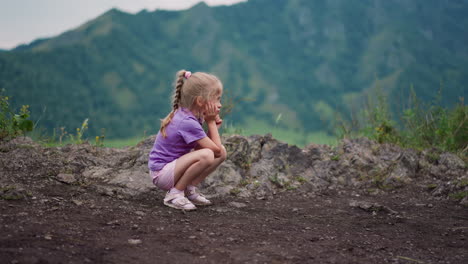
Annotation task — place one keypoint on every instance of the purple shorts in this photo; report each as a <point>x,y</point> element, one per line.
<point>164,179</point>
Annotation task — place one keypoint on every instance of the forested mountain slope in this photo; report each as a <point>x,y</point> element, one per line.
<point>303,59</point>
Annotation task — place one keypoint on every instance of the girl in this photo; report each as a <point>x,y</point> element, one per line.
<point>183,154</point>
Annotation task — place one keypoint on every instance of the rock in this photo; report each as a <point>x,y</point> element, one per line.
<point>132,181</point>
<point>12,193</point>
<point>316,152</point>
<point>97,173</point>
<point>135,241</point>
<point>237,148</point>
<point>66,178</point>
<point>371,207</point>
<point>399,176</point>
<point>464,201</point>
<point>106,190</point>
<point>221,181</point>
<point>244,151</point>
<point>77,202</point>
<point>237,204</point>
<point>451,161</point>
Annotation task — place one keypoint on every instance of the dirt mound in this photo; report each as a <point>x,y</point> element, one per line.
<point>257,166</point>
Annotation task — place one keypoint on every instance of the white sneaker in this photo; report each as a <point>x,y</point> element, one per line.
<point>197,198</point>
<point>178,201</point>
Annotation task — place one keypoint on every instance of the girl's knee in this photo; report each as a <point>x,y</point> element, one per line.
<point>206,155</point>
<point>223,153</point>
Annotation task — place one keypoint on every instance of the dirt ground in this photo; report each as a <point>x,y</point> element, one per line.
<point>73,224</point>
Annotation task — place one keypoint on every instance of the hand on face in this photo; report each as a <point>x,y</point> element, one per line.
<point>218,121</point>
<point>211,112</point>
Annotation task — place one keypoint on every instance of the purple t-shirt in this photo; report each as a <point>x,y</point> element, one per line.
<point>181,135</point>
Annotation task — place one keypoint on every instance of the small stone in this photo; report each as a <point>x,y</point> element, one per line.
<point>192,237</point>
<point>464,201</point>
<point>77,202</point>
<point>237,204</point>
<point>220,210</point>
<point>113,222</point>
<point>48,237</point>
<point>135,241</point>
<point>66,178</point>
<point>140,213</point>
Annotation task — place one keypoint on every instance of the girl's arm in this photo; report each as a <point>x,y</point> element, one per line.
<point>213,141</point>
<point>219,122</point>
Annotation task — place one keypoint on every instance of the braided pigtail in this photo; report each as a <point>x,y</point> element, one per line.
<point>181,76</point>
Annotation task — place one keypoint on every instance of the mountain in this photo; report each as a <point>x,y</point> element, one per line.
<point>301,59</point>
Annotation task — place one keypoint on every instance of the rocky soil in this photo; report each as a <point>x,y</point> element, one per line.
<point>359,202</point>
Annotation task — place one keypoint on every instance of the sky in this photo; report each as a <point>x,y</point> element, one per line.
<point>22,21</point>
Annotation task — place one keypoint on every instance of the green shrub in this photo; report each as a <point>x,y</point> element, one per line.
<point>431,125</point>
<point>11,124</point>
<point>421,126</point>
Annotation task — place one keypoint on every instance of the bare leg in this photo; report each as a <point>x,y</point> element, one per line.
<point>191,165</point>
<point>211,168</point>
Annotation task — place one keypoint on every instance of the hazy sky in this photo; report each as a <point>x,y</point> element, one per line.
<point>22,21</point>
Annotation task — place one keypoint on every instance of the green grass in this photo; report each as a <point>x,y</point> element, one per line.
<point>290,136</point>
<point>459,195</point>
<point>122,143</point>
<point>422,125</point>
<point>109,143</point>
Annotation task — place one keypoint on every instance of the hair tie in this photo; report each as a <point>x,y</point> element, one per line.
<point>187,74</point>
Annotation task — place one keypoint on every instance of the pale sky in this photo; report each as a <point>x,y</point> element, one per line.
<point>22,21</point>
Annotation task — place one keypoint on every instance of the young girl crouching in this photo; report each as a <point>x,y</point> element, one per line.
<point>183,155</point>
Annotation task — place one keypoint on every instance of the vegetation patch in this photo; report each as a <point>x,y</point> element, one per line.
<point>13,124</point>
<point>419,125</point>
<point>459,195</point>
<point>11,193</point>
<point>235,191</point>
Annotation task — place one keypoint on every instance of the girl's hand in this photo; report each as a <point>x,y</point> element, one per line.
<point>211,112</point>
<point>218,121</point>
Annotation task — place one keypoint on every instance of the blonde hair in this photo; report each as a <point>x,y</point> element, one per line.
<point>188,89</point>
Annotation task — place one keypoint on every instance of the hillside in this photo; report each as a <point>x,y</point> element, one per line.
<point>301,59</point>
